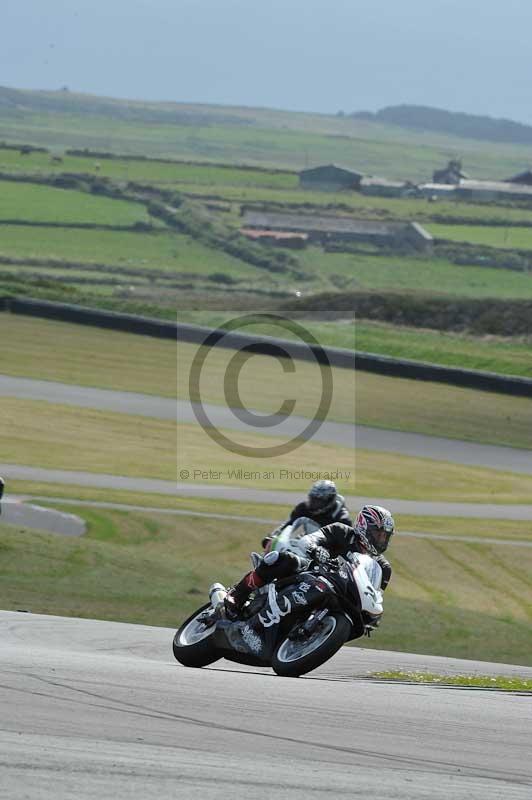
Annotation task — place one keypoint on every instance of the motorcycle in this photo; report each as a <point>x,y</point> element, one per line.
<point>292,625</point>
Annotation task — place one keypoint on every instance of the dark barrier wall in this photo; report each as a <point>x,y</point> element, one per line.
<point>90,316</point>
<point>336,357</point>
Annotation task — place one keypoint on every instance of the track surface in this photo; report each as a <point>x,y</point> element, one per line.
<point>244,494</point>
<point>14,512</point>
<point>341,434</point>
<point>99,710</point>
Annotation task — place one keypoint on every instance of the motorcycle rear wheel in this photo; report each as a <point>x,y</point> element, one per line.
<point>193,643</point>
<point>299,656</point>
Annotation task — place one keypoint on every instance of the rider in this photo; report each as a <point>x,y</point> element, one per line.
<point>323,505</point>
<point>373,529</point>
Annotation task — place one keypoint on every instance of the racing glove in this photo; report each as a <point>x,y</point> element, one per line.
<point>320,555</point>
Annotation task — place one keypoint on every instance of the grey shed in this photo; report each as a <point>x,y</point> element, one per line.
<point>330,177</point>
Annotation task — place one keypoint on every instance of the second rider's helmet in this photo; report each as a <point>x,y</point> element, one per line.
<point>322,496</point>
<point>377,525</point>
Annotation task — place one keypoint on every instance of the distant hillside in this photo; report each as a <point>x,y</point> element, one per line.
<point>270,138</point>
<point>66,102</point>
<point>469,126</point>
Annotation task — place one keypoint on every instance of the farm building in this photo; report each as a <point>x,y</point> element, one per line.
<point>451,174</point>
<point>524,178</point>
<point>323,229</point>
<point>297,241</point>
<point>330,177</point>
<point>491,191</point>
<point>381,187</point>
<point>433,191</point>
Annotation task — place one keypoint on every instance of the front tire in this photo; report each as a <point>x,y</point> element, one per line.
<point>299,656</point>
<point>193,643</point>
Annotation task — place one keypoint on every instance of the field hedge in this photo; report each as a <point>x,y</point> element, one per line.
<point>475,255</point>
<point>104,154</point>
<point>191,219</point>
<point>478,316</point>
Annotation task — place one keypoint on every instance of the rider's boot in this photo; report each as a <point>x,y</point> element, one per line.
<point>237,596</point>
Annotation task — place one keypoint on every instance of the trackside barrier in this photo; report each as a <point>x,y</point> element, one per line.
<point>335,356</point>
<point>80,315</point>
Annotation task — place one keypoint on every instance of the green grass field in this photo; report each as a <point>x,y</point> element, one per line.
<point>145,171</point>
<point>162,250</point>
<point>415,274</point>
<point>146,568</point>
<point>506,237</point>
<point>34,203</point>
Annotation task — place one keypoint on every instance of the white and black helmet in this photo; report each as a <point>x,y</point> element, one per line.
<point>377,525</point>
<point>322,496</point>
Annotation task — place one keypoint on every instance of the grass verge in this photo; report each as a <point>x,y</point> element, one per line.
<point>64,437</point>
<point>33,203</point>
<point>274,513</point>
<point>501,682</point>
<point>87,356</point>
<point>54,436</point>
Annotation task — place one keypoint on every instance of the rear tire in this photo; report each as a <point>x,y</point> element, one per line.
<point>297,657</point>
<point>193,643</point>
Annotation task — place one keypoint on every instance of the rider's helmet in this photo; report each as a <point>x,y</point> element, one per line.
<point>377,525</point>
<point>322,496</point>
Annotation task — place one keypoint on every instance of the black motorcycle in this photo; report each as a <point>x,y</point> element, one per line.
<point>292,625</point>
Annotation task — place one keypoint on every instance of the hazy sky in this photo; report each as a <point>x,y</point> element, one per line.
<point>319,55</point>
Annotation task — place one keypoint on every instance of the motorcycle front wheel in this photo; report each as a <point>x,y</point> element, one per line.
<point>295,657</point>
<point>193,643</point>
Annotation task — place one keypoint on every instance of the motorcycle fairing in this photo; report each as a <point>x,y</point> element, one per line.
<point>272,614</point>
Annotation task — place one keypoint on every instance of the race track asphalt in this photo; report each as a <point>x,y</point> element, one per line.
<point>250,495</point>
<point>101,710</point>
<point>29,515</point>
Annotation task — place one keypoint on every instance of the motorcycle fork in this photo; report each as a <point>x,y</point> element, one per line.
<point>314,620</point>
<point>311,624</point>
